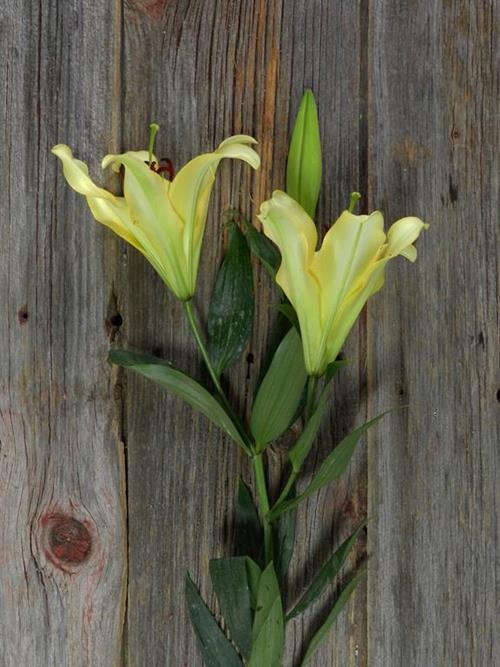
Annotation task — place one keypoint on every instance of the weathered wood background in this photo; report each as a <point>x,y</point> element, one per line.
<point>408,99</point>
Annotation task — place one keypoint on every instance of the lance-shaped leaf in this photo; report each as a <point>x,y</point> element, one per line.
<point>302,447</point>
<point>180,384</point>
<point>289,312</point>
<point>280,392</point>
<point>303,173</point>
<point>248,534</point>
<point>327,573</point>
<point>332,617</point>
<point>230,582</point>
<point>284,540</point>
<point>253,577</point>
<point>215,648</point>
<point>332,369</point>
<point>268,626</point>
<point>331,469</point>
<point>230,316</point>
<point>262,248</point>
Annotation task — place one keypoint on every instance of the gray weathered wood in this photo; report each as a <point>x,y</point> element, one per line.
<point>408,99</point>
<point>205,71</point>
<point>433,337</point>
<point>62,538</point>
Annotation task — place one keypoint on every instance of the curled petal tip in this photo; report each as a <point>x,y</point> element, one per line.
<point>238,139</point>
<point>62,150</point>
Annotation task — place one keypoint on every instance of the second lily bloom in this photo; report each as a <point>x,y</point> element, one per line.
<point>329,287</point>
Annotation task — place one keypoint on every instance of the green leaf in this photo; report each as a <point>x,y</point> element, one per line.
<point>262,248</point>
<point>280,391</point>
<point>327,573</point>
<point>230,582</point>
<point>180,384</point>
<point>302,446</point>
<point>216,650</point>
<point>290,313</point>
<point>268,626</point>
<point>230,315</point>
<point>332,616</point>
<point>253,577</point>
<point>248,533</point>
<point>279,330</point>
<point>331,468</point>
<point>284,540</point>
<point>332,369</point>
<point>303,174</point>
<point>304,442</point>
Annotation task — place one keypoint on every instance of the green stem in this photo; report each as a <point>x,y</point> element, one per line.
<point>260,483</point>
<point>286,489</point>
<point>190,314</point>
<point>312,384</point>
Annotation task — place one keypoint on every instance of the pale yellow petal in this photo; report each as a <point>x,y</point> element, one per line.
<point>115,216</point>
<point>403,233</point>
<point>410,253</point>
<point>104,206</point>
<point>350,308</point>
<point>155,221</point>
<point>77,174</point>
<point>238,139</point>
<point>190,194</point>
<point>287,224</point>
<point>238,147</point>
<point>348,249</point>
<point>115,161</point>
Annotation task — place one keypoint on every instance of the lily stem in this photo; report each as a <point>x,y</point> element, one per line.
<point>195,328</point>
<point>260,483</point>
<point>312,384</point>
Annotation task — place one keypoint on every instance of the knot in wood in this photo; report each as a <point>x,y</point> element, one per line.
<point>69,540</point>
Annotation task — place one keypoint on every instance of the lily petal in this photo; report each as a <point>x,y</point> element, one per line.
<point>287,224</point>
<point>164,220</point>
<point>147,197</point>
<point>329,287</point>
<point>115,162</point>
<point>76,173</point>
<point>403,233</point>
<point>190,194</point>
<point>348,247</point>
<point>106,208</point>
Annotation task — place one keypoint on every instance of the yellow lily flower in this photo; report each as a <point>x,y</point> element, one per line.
<point>165,220</point>
<point>329,287</point>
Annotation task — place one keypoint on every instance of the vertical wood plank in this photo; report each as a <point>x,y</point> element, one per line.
<point>204,71</point>
<point>433,337</point>
<point>62,533</point>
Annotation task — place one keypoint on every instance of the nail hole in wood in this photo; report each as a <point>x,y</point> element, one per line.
<point>23,315</point>
<point>116,320</point>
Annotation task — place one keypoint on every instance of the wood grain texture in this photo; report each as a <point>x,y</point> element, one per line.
<point>433,338</point>
<point>205,71</point>
<point>62,556</point>
<point>408,99</point>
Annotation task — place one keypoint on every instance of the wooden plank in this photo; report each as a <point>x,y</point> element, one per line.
<point>62,560</point>
<point>204,71</point>
<point>433,337</point>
